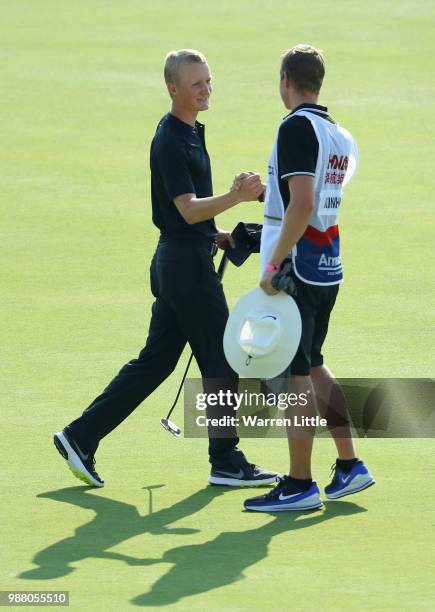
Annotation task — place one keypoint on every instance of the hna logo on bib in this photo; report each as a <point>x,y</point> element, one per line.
<point>338,163</point>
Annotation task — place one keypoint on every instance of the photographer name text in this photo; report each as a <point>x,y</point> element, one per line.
<point>255,421</point>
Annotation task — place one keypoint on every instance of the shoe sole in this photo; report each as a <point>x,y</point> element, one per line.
<point>236,482</point>
<point>289,508</point>
<point>345,492</point>
<point>74,462</point>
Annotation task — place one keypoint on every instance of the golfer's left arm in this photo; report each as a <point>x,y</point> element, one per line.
<point>295,222</point>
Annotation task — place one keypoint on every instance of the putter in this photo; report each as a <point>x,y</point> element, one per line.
<point>247,237</point>
<point>167,423</point>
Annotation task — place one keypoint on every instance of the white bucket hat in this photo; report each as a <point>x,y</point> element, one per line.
<point>262,334</point>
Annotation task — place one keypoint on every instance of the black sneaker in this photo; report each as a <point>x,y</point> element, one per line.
<point>81,464</point>
<point>241,474</point>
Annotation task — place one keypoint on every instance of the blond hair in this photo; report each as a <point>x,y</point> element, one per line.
<point>176,59</point>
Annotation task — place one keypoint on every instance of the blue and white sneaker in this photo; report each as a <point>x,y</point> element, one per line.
<point>285,496</point>
<point>358,479</point>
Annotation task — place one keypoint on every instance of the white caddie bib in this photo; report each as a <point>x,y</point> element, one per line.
<point>316,256</point>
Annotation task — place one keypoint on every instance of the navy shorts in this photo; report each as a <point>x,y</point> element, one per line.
<point>315,303</point>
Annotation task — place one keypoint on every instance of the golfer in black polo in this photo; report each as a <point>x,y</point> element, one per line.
<point>190,305</point>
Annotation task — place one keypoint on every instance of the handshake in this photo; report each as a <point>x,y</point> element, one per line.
<point>249,187</point>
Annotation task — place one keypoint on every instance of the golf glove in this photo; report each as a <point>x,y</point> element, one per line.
<point>283,280</point>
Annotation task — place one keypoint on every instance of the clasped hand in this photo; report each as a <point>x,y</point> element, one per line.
<point>249,186</point>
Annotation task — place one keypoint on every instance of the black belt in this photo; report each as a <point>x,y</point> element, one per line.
<point>192,241</point>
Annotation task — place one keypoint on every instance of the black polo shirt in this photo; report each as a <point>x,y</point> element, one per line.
<point>179,164</point>
<point>297,146</point>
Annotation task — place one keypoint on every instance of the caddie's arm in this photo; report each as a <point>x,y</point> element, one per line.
<point>295,222</point>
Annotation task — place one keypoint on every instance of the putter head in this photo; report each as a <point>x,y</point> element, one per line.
<point>171,427</point>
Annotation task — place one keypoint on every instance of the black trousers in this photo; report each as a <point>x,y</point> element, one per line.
<point>190,306</point>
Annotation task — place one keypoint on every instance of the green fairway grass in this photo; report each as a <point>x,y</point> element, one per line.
<point>82,92</point>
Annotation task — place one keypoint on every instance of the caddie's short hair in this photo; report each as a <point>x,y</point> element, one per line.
<point>176,59</point>
<point>305,67</point>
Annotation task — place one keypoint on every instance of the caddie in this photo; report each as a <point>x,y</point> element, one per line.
<point>312,159</point>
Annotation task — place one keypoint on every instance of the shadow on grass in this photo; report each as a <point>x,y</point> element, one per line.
<point>195,568</point>
<point>113,523</point>
<point>202,567</point>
